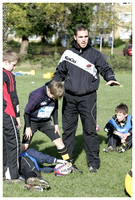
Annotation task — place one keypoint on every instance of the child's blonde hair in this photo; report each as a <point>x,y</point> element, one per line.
<point>10,56</point>
<point>56,89</point>
<point>122,108</point>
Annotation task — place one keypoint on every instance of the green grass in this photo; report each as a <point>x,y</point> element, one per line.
<point>109,181</point>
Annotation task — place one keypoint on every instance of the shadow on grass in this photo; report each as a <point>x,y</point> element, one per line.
<point>52,151</point>
<point>36,144</point>
<point>78,148</point>
<point>79,145</point>
<point>102,138</point>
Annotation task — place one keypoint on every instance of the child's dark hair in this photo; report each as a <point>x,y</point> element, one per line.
<point>122,108</point>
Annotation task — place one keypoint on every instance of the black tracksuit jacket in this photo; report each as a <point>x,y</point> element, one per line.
<point>80,69</point>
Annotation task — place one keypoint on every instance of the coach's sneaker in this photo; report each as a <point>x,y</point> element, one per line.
<point>38,182</point>
<point>21,179</point>
<point>75,169</point>
<point>33,187</point>
<point>93,169</point>
<point>109,149</point>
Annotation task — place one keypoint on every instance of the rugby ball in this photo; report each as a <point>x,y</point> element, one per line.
<point>61,169</point>
<point>128,183</point>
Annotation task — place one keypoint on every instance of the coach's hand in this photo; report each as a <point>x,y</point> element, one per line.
<point>113,83</point>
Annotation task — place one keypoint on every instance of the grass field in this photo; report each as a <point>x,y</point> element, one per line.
<point>109,181</point>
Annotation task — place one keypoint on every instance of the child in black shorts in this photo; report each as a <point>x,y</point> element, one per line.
<point>42,104</point>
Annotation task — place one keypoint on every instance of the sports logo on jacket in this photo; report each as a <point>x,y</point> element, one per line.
<point>89,65</point>
<point>70,59</point>
<point>79,61</point>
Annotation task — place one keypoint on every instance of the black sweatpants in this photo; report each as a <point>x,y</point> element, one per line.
<point>11,147</point>
<point>85,106</point>
<point>45,127</point>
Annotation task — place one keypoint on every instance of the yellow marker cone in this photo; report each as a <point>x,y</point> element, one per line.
<point>33,72</point>
<point>48,75</point>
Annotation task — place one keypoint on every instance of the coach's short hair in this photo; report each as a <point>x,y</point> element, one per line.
<point>80,27</point>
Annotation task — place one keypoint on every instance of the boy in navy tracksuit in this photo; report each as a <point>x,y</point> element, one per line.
<point>42,104</point>
<point>11,118</point>
<point>40,158</point>
<point>119,130</point>
<point>30,169</point>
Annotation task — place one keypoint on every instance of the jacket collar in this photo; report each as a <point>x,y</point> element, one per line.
<point>75,45</point>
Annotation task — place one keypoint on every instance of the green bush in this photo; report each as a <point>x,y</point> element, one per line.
<point>118,42</point>
<point>33,50</point>
<point>13,45</point>
<point>120,62</point>
<point>50,60</point>
<point>42,61</point>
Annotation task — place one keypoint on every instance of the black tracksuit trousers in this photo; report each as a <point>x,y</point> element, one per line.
<point>11,147</point>
<point>85,106</point>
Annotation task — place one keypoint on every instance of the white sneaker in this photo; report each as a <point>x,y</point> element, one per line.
<point>108,149</point>
<point>38,182</point>
<point>93,169</point>
<point>33,187</point>
<point>121,149</point>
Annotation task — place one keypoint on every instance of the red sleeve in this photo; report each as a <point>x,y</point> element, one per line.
<point>11,102</point>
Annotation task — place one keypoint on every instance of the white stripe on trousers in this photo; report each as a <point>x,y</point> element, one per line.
<point>7,173</point>
<point>16,140</point>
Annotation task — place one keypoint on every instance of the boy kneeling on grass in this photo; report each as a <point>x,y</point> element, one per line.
<point>119,130</point>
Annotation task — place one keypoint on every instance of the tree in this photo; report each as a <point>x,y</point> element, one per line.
<point>78,13</point>
<point>19,22</point>
<point>49,16</point>
<point>104,20</point>
<point>28,19</point>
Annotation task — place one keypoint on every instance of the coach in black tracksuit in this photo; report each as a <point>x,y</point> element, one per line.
<point>79,67</point>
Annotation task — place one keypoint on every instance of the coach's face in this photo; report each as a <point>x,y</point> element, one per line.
<point>82,38</point>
